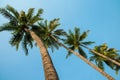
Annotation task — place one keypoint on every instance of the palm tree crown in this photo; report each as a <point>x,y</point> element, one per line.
<point>49,29</point>
<point>74,39</point>
<point>17,24</point>
<point>109,52</point>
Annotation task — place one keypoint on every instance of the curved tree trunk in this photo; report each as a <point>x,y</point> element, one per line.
<point>49,70</point>
<point>101,55</point>
<point>85,60</point>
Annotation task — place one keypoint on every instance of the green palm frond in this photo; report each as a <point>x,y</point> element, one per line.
<point>53,24</point>
<point>77,33</point>
<point>60,32</point>
<point>13,11</point>
<point>69,53</point>
<point>50,43</point>
<point>82,52</point>
<point>117,68</point>
<point>27,41</point>
<point>37,17</point>
<point>16,39</point>
<point>92,58</point>
<point>87,43</point>
<point>30,13</point>
<point>70,38</point>
<point>24,45</point>
<point>8,15</point>
<point>7,27</point>
<point>100,65</point>
<point>23,19</point>
<point>83,35</point>
<point>111,65</point>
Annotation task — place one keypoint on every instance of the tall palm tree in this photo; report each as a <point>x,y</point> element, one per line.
<point>74,40</point>
<point>49,28</point>
<point>101,55</point>
<point>110,52</point>
<point>84,44</point>
<point>52,34</point>
<point>22,27</point>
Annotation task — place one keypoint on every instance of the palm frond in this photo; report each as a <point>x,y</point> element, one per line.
<point>13,11</point>
<point>24,45</point>
<point>29,40</point>
<point>87,43</point>
<point>77,33</point>
<point>7,27</point>
<point>60,32</point>
<point>82,52</point>
<point>6,14</point>
<point>30,13</point>
<point>92,58</point>
<point>53,24</point>
<point>111,65</point>
<point>16,39</point>
<point>100,65</point>
<point>37,17</point>
<point>69,53</point>
<point>83,35</point>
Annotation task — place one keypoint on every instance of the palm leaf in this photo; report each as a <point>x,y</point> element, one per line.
<point>83,35</point>
<point>69,53</point>
<point>36,18</point>
<point>77,33</point>
<point>53,24</point>
<point>6,14</point>
<point>16,39</point>
<point>12,10</point>
<point>59,32</point>
<point>24,45</point>
<point>100,65</point>
<point>30,13</point>
<point>7,27</point>
<point>82,52</point>
<point>87,43</point>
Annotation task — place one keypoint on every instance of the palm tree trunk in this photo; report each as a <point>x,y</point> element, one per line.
<point>85,60</point>
<point>49,70</point>
<point>101,55</point>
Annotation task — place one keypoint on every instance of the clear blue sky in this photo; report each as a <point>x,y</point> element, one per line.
<point>102,17</point>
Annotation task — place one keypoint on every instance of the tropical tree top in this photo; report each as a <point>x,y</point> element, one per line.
<point>75,39</point>
<point>109,52</point>
<point>48,29</point>
<point>18,22</point>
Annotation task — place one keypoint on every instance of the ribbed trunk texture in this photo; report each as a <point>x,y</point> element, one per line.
<point>101,55</point>
<point>85,60</point>
<point>49,70</point>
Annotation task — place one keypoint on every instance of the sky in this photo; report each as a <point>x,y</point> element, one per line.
<point>101,17</point>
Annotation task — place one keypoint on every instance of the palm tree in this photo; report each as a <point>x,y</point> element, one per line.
<point>49,28</point>
<point>23,27</point>
<point>101,55</point>
<point>52,34</point>
<point>74,40</point>
<point>110,52</point>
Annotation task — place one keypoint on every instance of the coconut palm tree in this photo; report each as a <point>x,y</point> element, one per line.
<point>48,28</point>
<point>52,35</point>
<point>110,52</point>
<point>74,40</point>
<point>101,55</point>
<point>22,27</point>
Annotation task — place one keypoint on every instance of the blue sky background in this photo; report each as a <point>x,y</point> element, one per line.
<point>102,17</point>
